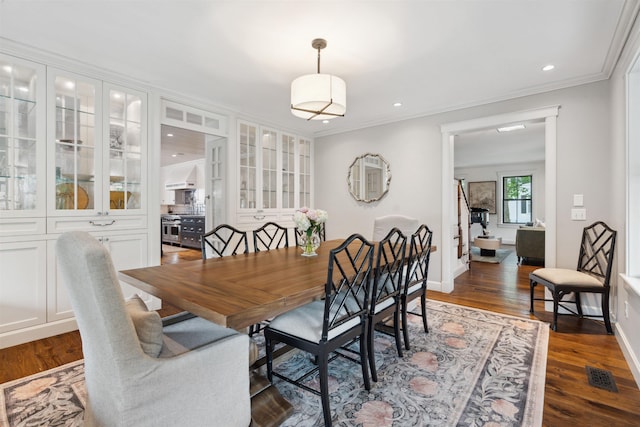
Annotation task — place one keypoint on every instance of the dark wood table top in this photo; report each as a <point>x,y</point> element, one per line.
<point>241,290</point>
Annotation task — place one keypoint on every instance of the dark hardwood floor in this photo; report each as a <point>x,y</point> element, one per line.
<point>502,288</point>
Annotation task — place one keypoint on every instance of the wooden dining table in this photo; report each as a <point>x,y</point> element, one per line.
<point>240,290</point>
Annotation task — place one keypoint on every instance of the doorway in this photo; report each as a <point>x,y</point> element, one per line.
<point>184,150</point>
<point>449,228</point>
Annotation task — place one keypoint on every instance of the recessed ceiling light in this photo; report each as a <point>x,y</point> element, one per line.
<point>548,67</point>
<point>169,134</point>
<point>7,68</point>
<point>510,128</point>
<point>397,104</point>
<point>325,121</point>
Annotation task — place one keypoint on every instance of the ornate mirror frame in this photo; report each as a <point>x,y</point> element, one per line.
<point>369,178</point>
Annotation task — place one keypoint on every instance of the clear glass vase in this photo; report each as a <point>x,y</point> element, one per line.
<point>310,242</point>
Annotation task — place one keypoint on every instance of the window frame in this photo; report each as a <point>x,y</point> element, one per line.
<point>504,200</point>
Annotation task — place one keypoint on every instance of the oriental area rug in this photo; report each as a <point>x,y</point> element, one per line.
<point>473,368</point>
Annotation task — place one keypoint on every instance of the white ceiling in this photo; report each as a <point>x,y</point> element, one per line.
<point>432,56</point>
<point>180,145</point>
<point>490,147</point>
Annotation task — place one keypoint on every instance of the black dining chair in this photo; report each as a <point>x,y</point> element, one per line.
<point>416,278</point>
<point>592,275</point>
<point>386,291</point>
<point>322,327</point>
<point>224,240</point>
<point>270,236</point>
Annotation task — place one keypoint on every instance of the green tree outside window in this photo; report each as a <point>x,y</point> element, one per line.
<point>516,199</point>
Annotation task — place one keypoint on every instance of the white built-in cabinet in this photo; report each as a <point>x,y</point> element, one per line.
<point>73,156</point>
<point>127,251</point>
<point>23,285</point>
<point>274,175</point>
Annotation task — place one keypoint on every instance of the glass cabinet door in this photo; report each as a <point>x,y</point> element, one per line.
<point>304,172</point>
<point>21,130</point>
<point>288,171</point>
<point>124,147</point>
<point>248,178</point>
<point>269,168</point>
<point>75,137</point>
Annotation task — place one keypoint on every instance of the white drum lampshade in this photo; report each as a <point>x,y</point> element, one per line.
<point>318,97</point>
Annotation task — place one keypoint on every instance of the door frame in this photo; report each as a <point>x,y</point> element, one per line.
<point>449,132</point>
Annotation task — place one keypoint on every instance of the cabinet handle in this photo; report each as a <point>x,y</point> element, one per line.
<point>101,224</point>
<point>259,217</point>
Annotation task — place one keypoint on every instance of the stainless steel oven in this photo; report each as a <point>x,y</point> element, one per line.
<point>171,226</point>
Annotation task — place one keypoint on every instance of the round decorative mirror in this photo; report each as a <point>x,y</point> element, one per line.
<point>369,177</point>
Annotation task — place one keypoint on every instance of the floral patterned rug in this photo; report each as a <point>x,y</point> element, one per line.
<point>473,368</point>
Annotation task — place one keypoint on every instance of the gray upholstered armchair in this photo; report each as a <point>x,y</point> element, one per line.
<point>189,373</point>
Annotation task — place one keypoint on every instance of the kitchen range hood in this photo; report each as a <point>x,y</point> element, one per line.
<point>188,183</point>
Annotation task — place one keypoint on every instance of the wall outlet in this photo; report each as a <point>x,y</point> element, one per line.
<point>578,214</point>
<point>626,309</point>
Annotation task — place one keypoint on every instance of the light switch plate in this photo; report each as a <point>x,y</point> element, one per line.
<point>578,200</point>
<point>579,214</point>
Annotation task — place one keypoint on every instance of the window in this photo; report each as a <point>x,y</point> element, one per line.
<point>516,199</point>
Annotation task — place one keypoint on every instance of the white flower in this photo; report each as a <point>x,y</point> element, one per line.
<point>301,221</point>
<point>306,218</point>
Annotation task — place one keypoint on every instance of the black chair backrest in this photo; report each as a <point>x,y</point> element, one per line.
<point>390,261</point>
<point>347,287</point>
<point>418,260</point>
<point>322,233</point>
<point>270,236</point>
<point>224,240</point>
<point>596,251</point>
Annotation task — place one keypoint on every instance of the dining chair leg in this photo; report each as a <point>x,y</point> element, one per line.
<point>423,303</point>
<point>554,325</point>
<point>372,353</point>
<point>364,358</point>
<point>396,330</point>
<point>578,303</point>
<point>323,366</point>
<point>532,286</point>
<point>268,344</point>
<point>405,324</point>
<point>605,312</point>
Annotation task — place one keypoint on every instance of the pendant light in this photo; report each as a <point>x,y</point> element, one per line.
<point>318,96</point>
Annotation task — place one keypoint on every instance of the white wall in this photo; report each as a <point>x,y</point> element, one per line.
<point>413,148</point>
<point>494,173</point>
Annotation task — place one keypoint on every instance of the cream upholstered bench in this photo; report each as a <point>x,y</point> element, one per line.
<point>488,245</point>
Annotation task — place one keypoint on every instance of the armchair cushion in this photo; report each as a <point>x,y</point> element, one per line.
<point>148,326</point>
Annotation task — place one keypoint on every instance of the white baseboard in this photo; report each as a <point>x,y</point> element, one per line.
<point>435,286</point>
<point>630,357</point>
<point>21,336</point>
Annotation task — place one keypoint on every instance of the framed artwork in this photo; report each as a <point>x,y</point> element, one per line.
<point>482,194</point>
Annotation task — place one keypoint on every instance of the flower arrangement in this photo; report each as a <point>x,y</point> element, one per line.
<point>310,221</point>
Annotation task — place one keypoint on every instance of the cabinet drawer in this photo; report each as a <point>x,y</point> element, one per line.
<point>95,223</point>
<point>22,226</point>
<point>257,218</point>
